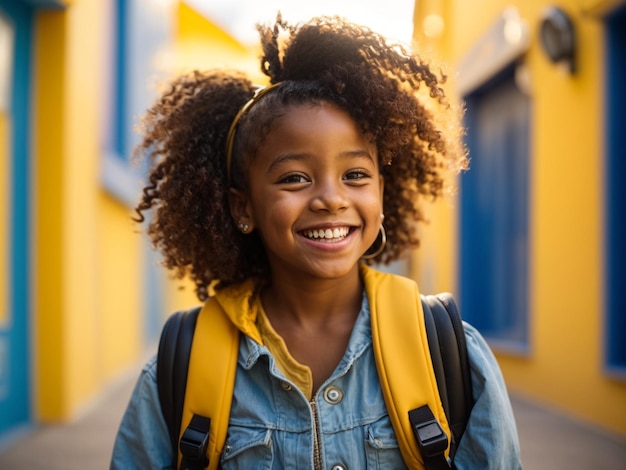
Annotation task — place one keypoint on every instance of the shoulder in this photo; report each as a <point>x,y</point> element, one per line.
<point>147,378</point>
<point>490,440</point>
<point>146,385</point>
<point>149,370</point>
<point>142,440</point>
<point>483,363</point>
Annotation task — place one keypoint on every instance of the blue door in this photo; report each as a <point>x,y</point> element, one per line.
<point>16,21</point>
<point>494,212</point>
<point>615,196</point>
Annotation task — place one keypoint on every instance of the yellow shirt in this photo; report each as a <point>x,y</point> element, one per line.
<point>297,373</point>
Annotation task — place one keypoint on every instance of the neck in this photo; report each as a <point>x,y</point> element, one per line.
<point>313,301</point>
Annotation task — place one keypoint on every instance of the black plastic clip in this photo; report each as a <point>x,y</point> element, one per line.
<point>195,442</point>
<point>431,438</point>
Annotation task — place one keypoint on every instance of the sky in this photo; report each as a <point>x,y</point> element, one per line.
<point>392,18</point>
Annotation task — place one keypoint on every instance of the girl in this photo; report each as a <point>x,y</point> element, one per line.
<point>277,199</point>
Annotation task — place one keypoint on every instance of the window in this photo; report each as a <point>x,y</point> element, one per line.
<point>118,176</point>
<point>494,212</point>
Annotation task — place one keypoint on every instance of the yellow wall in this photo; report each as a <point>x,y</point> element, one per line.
<point>87,306</point>
<point>48,305</point>
<point>120,257</point>
<point>202,45</point>
<point>564,368</point>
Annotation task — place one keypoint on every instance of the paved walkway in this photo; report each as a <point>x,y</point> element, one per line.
<point>549,441</point>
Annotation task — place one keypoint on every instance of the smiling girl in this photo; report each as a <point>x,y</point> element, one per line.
<point>279,199</point>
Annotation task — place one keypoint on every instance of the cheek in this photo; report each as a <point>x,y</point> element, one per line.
<point>273,214</point>
<point>374,200</point>
<point>372,210</point>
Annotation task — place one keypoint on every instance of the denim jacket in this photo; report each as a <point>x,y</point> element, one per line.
<point>273,426</point>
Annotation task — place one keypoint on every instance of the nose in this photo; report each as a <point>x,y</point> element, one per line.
<point>329,196</point>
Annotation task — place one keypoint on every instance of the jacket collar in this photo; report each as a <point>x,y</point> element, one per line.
<point>240,301</point>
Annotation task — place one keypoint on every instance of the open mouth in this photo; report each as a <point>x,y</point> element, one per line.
<point>327,234</point>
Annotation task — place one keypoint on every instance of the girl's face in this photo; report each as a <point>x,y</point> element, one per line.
<point>315,193</point>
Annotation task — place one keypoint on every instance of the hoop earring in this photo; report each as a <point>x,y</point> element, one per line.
<point>381,248</point>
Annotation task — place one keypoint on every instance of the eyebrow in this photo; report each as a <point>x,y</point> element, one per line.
<point>288,157</point>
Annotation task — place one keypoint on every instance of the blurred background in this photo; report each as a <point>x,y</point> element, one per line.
<point>532,243</point>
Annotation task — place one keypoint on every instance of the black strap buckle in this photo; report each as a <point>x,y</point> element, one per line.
<point>431,438</point>
<point>195,442</point>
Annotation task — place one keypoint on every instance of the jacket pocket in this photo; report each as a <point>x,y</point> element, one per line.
<point>381,446</point>
<point>247,448</point>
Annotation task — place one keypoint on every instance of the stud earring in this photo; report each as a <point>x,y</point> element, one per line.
<point>243,227</point>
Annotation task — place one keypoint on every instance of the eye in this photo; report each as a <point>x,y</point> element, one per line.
<point>293,178</point>
<point>357,175</point>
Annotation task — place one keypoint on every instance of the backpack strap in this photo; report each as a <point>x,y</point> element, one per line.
<point>405,369</point>
<point>448,351</point>
<point>172,366</point>
<point>190,425</point>
<point>210,383</point>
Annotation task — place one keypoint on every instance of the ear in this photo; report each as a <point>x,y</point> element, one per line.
<point>381,182</point>
<point>240,210</point>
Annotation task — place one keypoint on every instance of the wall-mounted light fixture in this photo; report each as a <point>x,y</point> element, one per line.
<point>7,34</point>
<point>558,38</point>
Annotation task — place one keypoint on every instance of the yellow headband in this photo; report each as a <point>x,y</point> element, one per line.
<point>230,139</point>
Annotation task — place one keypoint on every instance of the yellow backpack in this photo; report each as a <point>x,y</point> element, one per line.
<point>196,405</point>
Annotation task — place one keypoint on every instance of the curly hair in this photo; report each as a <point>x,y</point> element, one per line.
<point>380,84</point>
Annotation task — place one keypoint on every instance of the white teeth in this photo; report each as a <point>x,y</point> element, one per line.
<point>336,233</point>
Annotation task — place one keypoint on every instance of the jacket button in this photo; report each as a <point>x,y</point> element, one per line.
<point>338,467</point>
<point>333,395</point>
<point>286,386</point>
